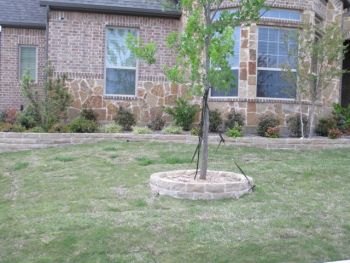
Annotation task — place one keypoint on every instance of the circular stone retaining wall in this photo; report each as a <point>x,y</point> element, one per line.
<point>219,185</point>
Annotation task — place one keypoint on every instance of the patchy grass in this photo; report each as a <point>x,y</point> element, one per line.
<point>88,204</point>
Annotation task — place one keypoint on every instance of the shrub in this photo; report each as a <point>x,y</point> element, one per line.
<point>10,115</point>
<point>334,133</point>
<point>157,124</point>
<point>27,118</point>
<point>17,128</point>
<point>2,116</point>
<point>234,132</point>
<point>142,130</point>
<point>234,119</point>
<point>5,127</point>
<point>59,128</point>
<point>81,125</point>
<point>183,113</point>
<point>294,125</point>
<point>173,130</point>
<point>51,106</point>
<point>324,125</point>
<point>195,131</point>
<point>267,121</point>
<point>215,121</point>
<point>36,130</point>
<point>89,114</point>
<point>111,128</point>
<point>125,119</point>
<point>341,116</point>
<point>272,132</point>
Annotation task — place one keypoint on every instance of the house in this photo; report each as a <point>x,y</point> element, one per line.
<point>83,38</point>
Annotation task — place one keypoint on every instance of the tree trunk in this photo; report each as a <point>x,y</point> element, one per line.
<point>311,118</point>
<point>204,148</point>
<point>301,121</point>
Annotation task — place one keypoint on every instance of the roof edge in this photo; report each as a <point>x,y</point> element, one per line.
<point>22,25</point>
<point>111,9</point>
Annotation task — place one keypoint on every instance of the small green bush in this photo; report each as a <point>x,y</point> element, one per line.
<point>89,114</point>
<point>272,132</point>
<point>265,122</point>
<point>157,124</point>
<point>324,125</point>
<point>125,119</point>
<point>183,113</point>
<point>36,130</point>
<point>173,130</point>
<point>215,121</point>
<point>234,132</point>
<point>81,125</point>
<point>5,127</point>
<point>59,128</point>
<point>195,131</point>
<point>17,128</point>
<point>341,116</point>
<point>334,133</point>
<point>294,125</point>
<point>234,119</point>
<point>111,128</point>
<point>142,130</point>
<point>28,118</point>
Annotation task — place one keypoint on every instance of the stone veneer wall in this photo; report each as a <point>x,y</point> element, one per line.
<point>76,48</point>
<point>11,39</point>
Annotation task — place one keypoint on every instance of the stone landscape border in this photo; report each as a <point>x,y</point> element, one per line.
<point>28,141</point>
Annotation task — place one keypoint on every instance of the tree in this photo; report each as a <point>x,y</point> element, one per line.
<point>319,57</point>
<point>203,49</point>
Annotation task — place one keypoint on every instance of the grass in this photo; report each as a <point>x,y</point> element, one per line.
<point>88,204</point>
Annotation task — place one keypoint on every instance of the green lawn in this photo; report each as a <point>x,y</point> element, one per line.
<point>92,203</point>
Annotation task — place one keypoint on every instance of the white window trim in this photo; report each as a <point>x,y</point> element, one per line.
<point>266,68</point>
<point>136,68</point>
<point>233,68</point>
<point>36,62</point>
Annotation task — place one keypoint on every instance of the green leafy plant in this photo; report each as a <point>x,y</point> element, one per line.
<point>36,130</point>
<point>215,120</point>
<point>195,131</point>
<point>125,119</point>
<point>294,125</point>
<point>50,106</point>
<point>234,119</point>
<point>89,114</point>
<point>142,130</point>
<point>324,125</point>
<point>111,128</point>
<point>173,130</point>
<point>272,132</point>
<point>265,122</point>
<point>81,125</point>
<point>157,124</point>
<point>5,127</point>
<point>234,132</point>
<point>183,113</point>
<point>334,133</point>
<point>342,116</point>
<point>59,128</point>
<point>27,118</point>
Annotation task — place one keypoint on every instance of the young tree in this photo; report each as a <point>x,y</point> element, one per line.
<point>203,49</point>
<point>318,63</point>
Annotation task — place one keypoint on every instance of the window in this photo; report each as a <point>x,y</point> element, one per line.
<point>276,47</point>
<point>120,63</point>
<point>234,63</point>
<point>28,62</point>
<point>284,14</point>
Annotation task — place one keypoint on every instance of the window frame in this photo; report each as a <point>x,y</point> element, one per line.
<point>265,12</point>
<point>238,68</point>
<point>136,68</point>
<point>267,68</point>
<point>36,61</point>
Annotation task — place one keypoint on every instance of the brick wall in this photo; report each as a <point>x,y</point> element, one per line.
<point>11,39</point>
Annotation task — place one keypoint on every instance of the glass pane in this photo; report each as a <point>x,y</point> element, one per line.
<point>28,63</point>
<point>277,13</point>
<point>263,34</point>
<point>120,81</point>
<point>230,93</point>
<point>272,84</point>
<point>118,54</point>
<point>234,60</point>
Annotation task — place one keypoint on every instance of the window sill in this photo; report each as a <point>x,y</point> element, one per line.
<point>119,97</point>
<point>260,100</point>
